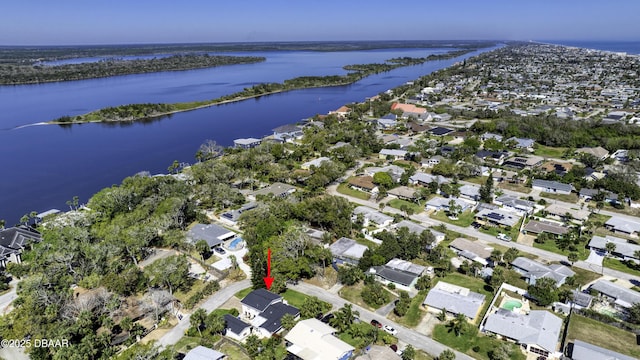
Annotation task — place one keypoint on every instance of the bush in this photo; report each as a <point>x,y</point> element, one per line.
<point>209,289</point>
<point>375,295</point>
<point>475,348</point>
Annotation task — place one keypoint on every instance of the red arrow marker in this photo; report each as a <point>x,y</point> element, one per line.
<point>268,280</point>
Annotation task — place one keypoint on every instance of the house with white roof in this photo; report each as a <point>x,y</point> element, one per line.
<point>532,270</point>
<point>580,350</point>
<point>311,339</point>
<point>372,216</point>
<point>439,203</point>
<point>418,229</point>
<point>347,251</point>
<point>624,250</point>
<point>424,179</point>
<point>246,143</point>
<point>454,300</point>
<point>315,163</point>
<point>515,204</point>
<point>472,250</point>
<point>204,353</point>
<point>394,170</point>
<point>522,143</point>
<point>537,332</point>
<point>498,217</point>
<point>265,311</point>
<point>471,192</point>
<point>394,154</point>
<point>560,212</point>
<point>621,298</point>
<point>624,226</point>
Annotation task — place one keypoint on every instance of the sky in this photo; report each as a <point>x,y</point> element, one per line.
<point>80,22</point>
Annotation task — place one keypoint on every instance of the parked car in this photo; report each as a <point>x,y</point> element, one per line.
<point>503,237</point>
<point>327,318</point>
<point>376,323</point>
<point>219,250</point>
<point>476,225</point>
<point>390,330</point>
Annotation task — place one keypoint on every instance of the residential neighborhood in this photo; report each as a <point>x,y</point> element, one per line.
<point>451,214</point>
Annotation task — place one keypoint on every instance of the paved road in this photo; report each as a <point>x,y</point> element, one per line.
<point>7,298</point>
<point>417,340</point>
<point>424,219</point>
<point>213,302</point>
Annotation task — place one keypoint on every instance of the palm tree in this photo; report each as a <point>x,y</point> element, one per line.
<point>496,256</point>
<point>197,319</point>
<point>345,316</point>
<point>572,257</point>
<point>215,323</point>
<point>459,324</point>
<point>610,248</point>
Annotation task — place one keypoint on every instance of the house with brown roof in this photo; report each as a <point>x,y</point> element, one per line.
<point>363,183</point>
<point>557,167</point>
<point>342,111</point>
<point>403,192</point>
<point>599,152</point>
<point>409,109</point>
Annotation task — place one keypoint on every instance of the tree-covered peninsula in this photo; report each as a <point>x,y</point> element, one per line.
<point>132,112</point>
<point>15,74</point>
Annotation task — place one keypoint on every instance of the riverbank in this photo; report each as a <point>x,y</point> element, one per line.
<point>136,112</point>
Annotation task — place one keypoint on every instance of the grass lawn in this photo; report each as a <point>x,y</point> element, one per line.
<point>345,189</point>
<point>480,180</point>
<point>548,151</point>
<point>570,198</point>
<point>599,218</point>
<point>520,253</point>
<point>616,264</point>
<point>415,314</point>
<point>465,219</point>
<point>421,355</point>
<point>242,293</point>
<point>599,334</point>
<point>551,245</point>
<point>352,294</point>
<point>197,286</point>
<point>514,187</point>
<point>494,230</point>
<point>627,210</point>
<point>397,203</point>
<point>233,351</point>
<point>583,276</point>
<point>512,277</point>
<point>296,299</point>
<point>187,343</point>
<point>466,342</point>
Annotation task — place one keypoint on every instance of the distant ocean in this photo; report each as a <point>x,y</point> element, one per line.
<point>630,47</point>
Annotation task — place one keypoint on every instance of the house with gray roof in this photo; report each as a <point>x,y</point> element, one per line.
<point>439,203</point>
<point>315,163</point>
<point>471,192</point>
<point>623,226</point>
<point>247,143</point>
<point>418,229</point>
<point>487,136</point>
<point>515,204</point>
<point>232,216</point>
<point>454,299</point>
<point>537,227</point>
<point>403,192</point>
<point>522,143</point>
<point>524,162</point>
<point>472,250</point>
<point>554,187</point>
<point>265,311</point>
<point>620,297</point>
<point>580,350</point>
<point>372,216</point>
<point>599,152</point>
<point>13,241</point>
<point>624,250</point>
<point>276,189</point>
<point>287,133</point>
<point>394,170</point>
<point>213,234</point>
<point>204,353</point>
<point>498,217</point>
<point>346,250</point>
<point>236,328</point>
<point>532,270</point>
<point>403,274</point>
<point>424,179</point>
<point>394,154</point>
<point>537,332</point>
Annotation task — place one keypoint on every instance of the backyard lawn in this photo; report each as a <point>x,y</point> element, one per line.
<point>345,189</point>
<point>465,219</point>
<point>570,198</point>
<point>466,342</point>
<point>295,298</point>
<point>548,151</point>
<point>550,245</point>
<point>242,293</point>
<point>599,334</point>
<point>397,203</point>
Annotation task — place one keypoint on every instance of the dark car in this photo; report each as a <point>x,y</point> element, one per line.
<point>327,318</point>
<point>376,323</point>
<point>219,250</point>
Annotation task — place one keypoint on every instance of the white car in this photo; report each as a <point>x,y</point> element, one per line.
<point>390,330</point>
<point>503,237</point>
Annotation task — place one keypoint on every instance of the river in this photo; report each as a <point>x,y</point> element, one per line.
<point>46,165</point>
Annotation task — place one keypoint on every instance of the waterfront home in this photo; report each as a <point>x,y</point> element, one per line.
<point>619,297</point>
<point>625,226</point>
<point>311,339</point>
<point>553,187</point>
<point>472,250</point>
<point>247,143</point>
<point>409,110</point>
<point>342,111</point>
<point>532,270</point>
<point>363,183</point>
<point>213,234</point>
<point>235,328</point>
<point>287,133</point>
<point>454,300</point>
<point>347,251</point>
<point>624,250</point>
<point>537,332</point>
<point>13,241</point>
<point>403,274</point>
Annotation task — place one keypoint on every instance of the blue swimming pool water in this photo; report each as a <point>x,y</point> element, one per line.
<point>235,243</point>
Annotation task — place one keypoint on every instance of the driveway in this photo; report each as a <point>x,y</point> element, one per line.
<point>595,258</point>
<point>417,340</point>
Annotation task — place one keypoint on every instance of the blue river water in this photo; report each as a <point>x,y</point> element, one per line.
<point>43,166</point>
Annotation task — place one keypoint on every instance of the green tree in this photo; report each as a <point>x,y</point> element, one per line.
<point>253,344</point>
<point>203,249</point>
<point>403,303</point>
<point>197,319</point>
<point>349,275</point>
<point>459,324</point>
<point>374,294</point>
<point>288,321</point>
<point>423,282</point>
<point>634,313</point>
<point>170,272</point>
<point>497,278</point>
<point>572,257</point>
<point>496,256</point>
<point>409,353</point>
<point>447,355</point>
<point>610,247</point>
<point>214,323</point>
<point>502,352</point>
<point>312,307</point>
<point>510,255</point>
<point>383,179</point>
<point>345,316</point>
<point>486,191</point>
<point>544,291</point>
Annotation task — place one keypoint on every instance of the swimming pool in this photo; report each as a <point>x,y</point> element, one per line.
<point>234,244</point>
<point>511,304</point>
